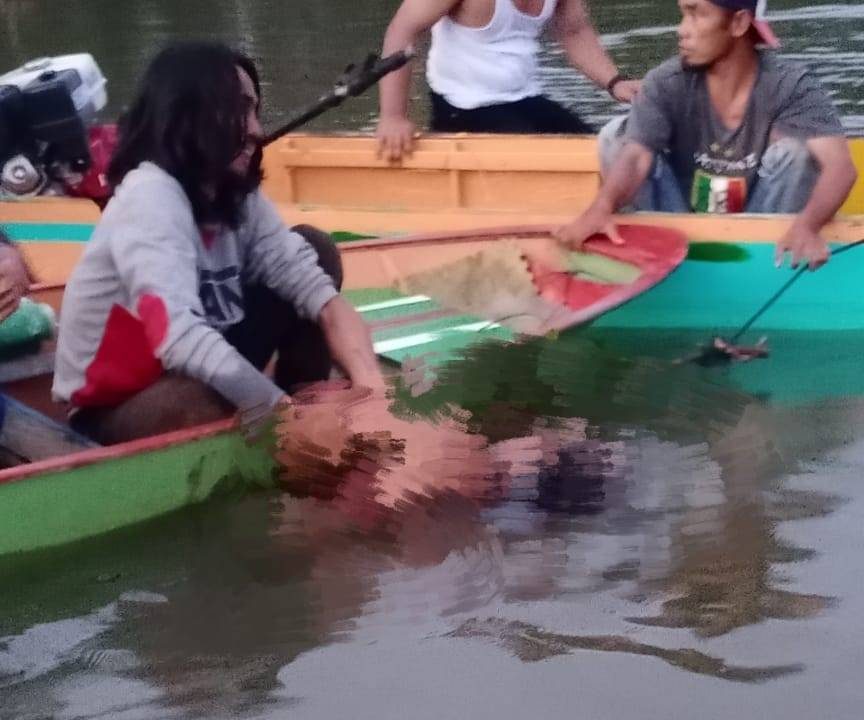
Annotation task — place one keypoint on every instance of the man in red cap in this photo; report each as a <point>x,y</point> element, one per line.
<point>726,127</point>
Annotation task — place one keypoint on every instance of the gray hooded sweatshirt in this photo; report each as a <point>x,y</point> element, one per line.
<point>153,293</point>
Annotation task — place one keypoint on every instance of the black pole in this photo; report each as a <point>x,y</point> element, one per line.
<point>354,81</point>
<point>777,295</point>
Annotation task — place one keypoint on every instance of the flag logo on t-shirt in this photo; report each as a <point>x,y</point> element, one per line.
<point>718,193</point>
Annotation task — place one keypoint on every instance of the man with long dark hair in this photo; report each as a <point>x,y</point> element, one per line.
<point>191,280</point>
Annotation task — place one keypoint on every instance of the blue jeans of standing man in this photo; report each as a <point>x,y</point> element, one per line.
<point>786,176</point>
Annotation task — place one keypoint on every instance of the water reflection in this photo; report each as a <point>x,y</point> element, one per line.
<point>665,511</point>
<point>725,575</point>
<point>531,644</point>
<point>701,477</point>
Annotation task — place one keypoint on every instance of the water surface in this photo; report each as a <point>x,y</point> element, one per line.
<point>303,46</point>
<point>696,547</point>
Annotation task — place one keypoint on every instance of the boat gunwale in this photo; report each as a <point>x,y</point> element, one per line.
<point>489,233</point>
<point>446,237</point>
<point>85,458</point>
<point>94,456</point>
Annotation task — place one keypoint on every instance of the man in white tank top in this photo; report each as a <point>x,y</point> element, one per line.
<point>482,67</point>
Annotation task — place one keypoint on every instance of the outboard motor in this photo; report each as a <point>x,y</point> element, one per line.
<point>46,110</point>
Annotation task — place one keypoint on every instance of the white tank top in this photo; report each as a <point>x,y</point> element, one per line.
<point>475,67</point>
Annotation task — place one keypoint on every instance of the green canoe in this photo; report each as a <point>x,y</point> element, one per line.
<point>73,497</point>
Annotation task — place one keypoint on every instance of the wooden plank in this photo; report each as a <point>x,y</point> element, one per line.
<point>526,192</point>
<point>52,261</point>
<point>29,366</point>
<point>758,229</point>
<point>369,188</point>
<point>49,209</point>
<point>571,162</point>
<point>33,436</point>
<point>855,202</point>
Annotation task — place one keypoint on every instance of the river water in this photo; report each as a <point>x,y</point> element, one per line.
<point>303,46</point>
<point>694,550</point>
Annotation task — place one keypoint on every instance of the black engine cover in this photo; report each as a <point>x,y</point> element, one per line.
<point>12,135</point>
<point>52,120</point>
<point>41,121</point>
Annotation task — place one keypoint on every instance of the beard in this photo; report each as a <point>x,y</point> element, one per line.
<point>234,189</point>
<point>695,67</point>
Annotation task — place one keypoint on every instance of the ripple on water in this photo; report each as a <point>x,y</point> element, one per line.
<point>664,529</point>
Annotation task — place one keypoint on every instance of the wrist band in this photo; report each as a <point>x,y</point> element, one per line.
<point>610,86</point>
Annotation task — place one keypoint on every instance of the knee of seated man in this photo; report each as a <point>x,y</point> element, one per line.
<point>187,398</point>
<point>328,254</point>
<point>610,140</point>
<point>786,155</point>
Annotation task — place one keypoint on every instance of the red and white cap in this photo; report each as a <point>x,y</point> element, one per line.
<point>760,24</point>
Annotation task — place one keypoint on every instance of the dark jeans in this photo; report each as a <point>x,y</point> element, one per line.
<point>270,326</point>
<point>533,115</point>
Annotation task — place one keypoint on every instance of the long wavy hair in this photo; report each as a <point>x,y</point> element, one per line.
<point>189,118</point>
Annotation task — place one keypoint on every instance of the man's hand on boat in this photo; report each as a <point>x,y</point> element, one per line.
<point>395,137</point>
<point>620,185</point>
<point>803,245</point>
<point>594,221</point>
<point>836,178</point>
<point>14,280</point>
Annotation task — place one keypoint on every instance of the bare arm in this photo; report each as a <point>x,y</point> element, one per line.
<point>349,341</point>
<point>581,43</point>
<point>836,177</point>
<point>624,179</point>
<point>414,17</point>
<point>316,416</point>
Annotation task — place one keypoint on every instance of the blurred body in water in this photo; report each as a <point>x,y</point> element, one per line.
<point>672,492</point>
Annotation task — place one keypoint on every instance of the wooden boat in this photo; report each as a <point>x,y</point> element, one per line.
<point>452,186</point>
<point>450,183</point>
<point>77,495</point>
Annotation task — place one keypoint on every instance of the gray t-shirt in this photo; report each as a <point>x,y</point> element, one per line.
<point>717,167</point>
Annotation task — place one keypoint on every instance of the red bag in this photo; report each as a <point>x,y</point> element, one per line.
<point>94,183</point>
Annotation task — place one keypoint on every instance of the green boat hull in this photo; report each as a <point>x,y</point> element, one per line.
<point>106,489</point>
<point>717,289</point>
